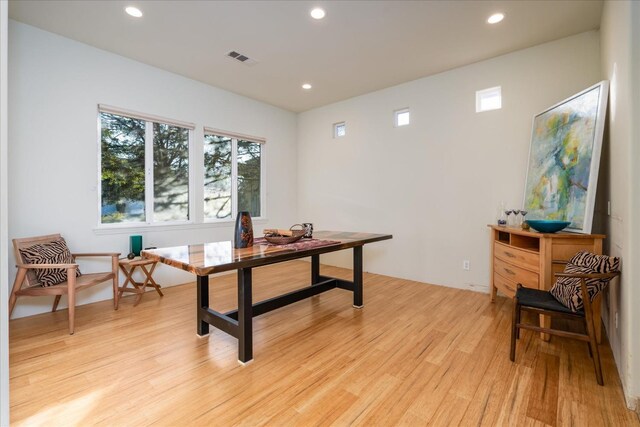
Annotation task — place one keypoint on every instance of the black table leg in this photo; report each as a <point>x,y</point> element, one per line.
<point>202,286</point>
<point>245,316</point>
<point>357,277</point>
<point>315,269</point>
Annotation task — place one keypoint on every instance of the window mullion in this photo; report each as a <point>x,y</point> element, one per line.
<point>195,210</point>
<point>234,178</point>
<point>148,163</point>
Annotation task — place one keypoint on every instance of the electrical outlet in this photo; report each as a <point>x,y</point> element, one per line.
<point>616,320</point>
<point>465,265</point>
<point>609,208</point>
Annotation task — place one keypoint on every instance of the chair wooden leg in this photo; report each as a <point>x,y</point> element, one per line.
<point>17,283</point>
<point>518,316</point>
<point>591,331</point>
<point>514,328</point>
<point>597,317</point>
<point>596,353</point>
<point>116,281</point>
<point>71,286</point>
<point>55,303</point>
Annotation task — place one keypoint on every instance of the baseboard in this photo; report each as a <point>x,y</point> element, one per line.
<point>477,288</point>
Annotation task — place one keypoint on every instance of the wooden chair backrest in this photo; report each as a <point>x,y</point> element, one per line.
<point>26,242</point>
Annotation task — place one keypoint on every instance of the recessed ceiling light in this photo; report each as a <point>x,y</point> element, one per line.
<point>495,18</point>
<point>306,86</point>
<point>133,11</point>
<point>317,13</point>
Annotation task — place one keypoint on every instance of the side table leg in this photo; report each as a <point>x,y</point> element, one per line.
<point>357,277</point>
<point>202,287</point>
<point>245,316</point>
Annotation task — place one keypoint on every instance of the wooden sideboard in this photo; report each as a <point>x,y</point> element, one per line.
<point>527,257</point>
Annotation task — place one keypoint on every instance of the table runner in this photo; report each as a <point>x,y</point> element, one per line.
<point>299,245</point>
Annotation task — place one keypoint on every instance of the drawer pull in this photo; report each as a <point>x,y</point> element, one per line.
<point>509,254</point>
<point>509,271</point>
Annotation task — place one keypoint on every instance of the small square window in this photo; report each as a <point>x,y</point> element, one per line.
<point>489,99</point>
<point>339,129</point>
<point>402,117</point>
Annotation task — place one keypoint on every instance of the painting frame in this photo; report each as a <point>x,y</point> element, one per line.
<point>577,202</point>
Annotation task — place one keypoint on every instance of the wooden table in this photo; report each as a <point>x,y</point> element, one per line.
<point>209,258</point>
<point>128,267</point>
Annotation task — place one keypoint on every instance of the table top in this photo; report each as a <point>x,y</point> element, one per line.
<point>208,258</point>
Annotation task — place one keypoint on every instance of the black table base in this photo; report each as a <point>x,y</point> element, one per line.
<point>239,323</point>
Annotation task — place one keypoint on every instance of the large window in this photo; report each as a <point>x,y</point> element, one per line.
<point>232,176</point>
<point>144,170</point>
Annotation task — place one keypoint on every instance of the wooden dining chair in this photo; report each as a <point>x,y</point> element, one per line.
<point>543,302</point>
<point>36,256</point>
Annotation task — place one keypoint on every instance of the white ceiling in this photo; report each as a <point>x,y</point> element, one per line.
<point>359,47</point>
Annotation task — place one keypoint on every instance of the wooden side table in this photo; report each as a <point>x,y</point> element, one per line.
<point>128,266</point>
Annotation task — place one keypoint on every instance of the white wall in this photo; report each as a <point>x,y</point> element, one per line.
<point>435,184</point>
<point>4,315</point>
<point>619,29</point>
<point>56,84</point>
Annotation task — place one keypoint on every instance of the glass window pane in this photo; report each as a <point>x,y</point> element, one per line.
<point>249,177</point>
<point>170,173</point>
<point>217,177</point>
<point>122,160</point>
<point>402,118</point>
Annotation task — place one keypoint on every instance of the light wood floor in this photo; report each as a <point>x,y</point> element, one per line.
<point>416,354</point>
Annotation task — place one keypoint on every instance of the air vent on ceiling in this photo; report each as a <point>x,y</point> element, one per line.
<point>241,58</point>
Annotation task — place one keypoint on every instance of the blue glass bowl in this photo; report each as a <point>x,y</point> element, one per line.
<point>547,225</point>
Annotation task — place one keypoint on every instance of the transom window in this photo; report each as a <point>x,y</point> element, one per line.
<point>339,129</point>
<point>401,117</point>
<point>489,99</point>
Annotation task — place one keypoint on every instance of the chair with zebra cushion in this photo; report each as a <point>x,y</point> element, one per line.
<point>47,267</point>
<point>584,277</point>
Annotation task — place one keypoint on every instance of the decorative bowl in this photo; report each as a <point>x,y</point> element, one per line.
<point>547,225</point>
<point>284,240</point>
<point>278,239</point>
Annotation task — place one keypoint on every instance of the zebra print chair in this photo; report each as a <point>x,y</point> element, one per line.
<point>46,267</point>
<point>548,303</point>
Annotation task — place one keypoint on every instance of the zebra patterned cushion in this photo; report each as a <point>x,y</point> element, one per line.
<point>567,289</point>
<point>55,252</point>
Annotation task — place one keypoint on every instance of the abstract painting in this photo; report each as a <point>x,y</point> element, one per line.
<point>564,157</point>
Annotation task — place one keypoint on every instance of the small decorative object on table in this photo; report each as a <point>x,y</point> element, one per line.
<point>135,245</point>
<point>524,224</point>
<point>547,225</point>
<point>308,230</point>
<point>508,213</point>
<point>284,237</point>
<point>244,231</point>
<point>501,217</point>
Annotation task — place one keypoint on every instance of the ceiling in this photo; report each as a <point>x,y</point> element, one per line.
<point>359,47</point>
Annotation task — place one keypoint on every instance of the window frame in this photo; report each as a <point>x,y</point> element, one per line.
<point>235,137</point>
<point>149,172</point>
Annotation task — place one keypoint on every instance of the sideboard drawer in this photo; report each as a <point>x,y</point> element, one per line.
<point>517,256</point>
<point>515,273</point>
<point>505,286</point>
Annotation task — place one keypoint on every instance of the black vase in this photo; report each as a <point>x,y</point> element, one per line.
<point>244,230</point>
